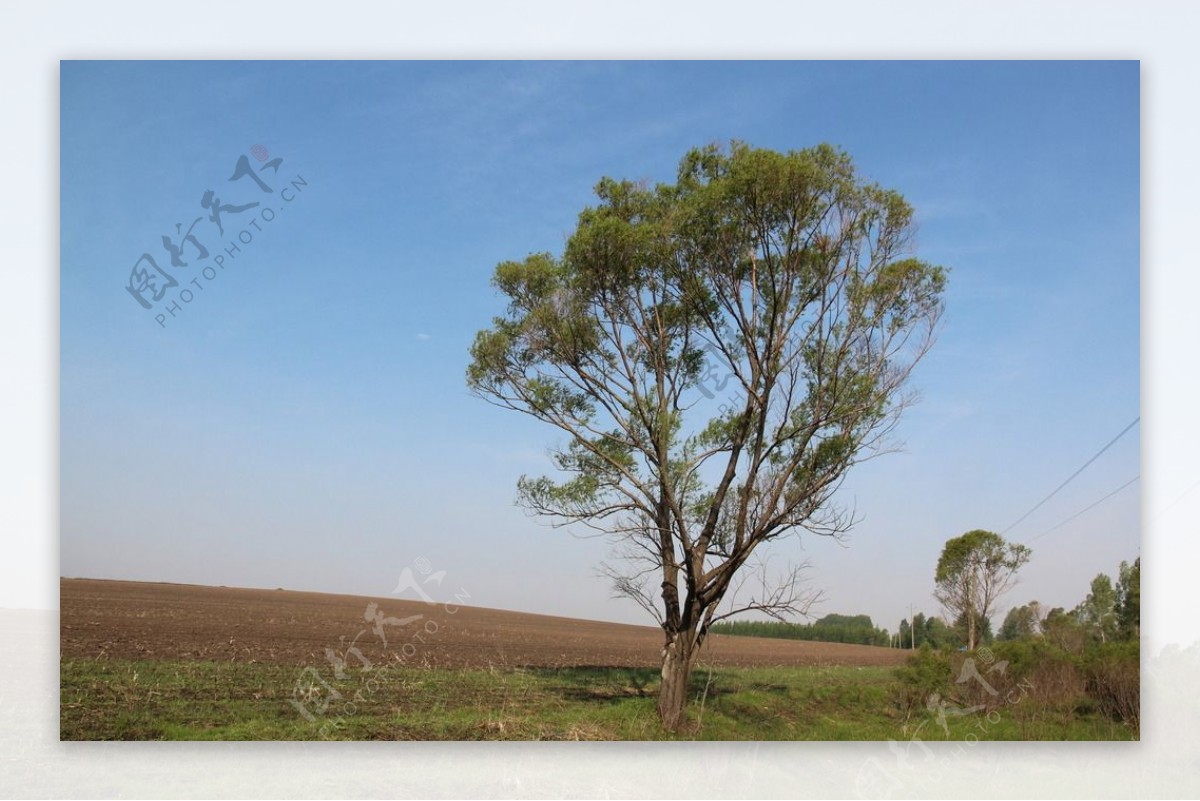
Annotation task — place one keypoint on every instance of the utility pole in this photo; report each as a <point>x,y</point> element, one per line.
<point>912,629</point>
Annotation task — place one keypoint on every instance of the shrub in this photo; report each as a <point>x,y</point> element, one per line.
<point>1045,672</point>
<point>925,672</point>
<point>1033,677</point>
<point>1112,672</point>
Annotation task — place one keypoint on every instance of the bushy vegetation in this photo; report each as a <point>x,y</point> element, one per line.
<point>1044,666</point>
<point>928,671</point>
<point>853,629</point>
<point>1112,675</point>
<point>115,699</point>
<point>1110,613</point>
<point>1034,681</point>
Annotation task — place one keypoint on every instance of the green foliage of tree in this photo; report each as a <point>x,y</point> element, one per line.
<point>1098,613</point>
<point>981,627</point>
<point>1129,601</point>
<point>939,635</point>
<point>856,630</point>
<point>913,632</point>
<point>1063,630</point>
<point>918,628</point>
<point>849,621</point>
<point>1020,623</point>
<point>784,274</point>
<point>973,572</point>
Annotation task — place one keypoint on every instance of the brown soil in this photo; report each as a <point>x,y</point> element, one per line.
<point>137,620</point>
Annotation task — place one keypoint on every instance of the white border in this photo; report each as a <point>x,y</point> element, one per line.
<point>35,36</point>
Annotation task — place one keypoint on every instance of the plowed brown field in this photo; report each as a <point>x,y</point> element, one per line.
<point>136,620</point>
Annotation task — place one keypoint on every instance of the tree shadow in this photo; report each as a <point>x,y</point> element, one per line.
<point>604,683</point>
<point>768,687</point>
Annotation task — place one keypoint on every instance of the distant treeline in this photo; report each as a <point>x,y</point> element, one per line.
<point>854,629</point>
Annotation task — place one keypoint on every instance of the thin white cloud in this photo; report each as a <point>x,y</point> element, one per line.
<point>424,337</point>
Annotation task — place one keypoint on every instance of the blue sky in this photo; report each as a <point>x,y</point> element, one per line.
<point>304,421</point>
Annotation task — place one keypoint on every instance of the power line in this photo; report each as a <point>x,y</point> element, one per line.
<point>1071,478</point>
<point>1087,508</point>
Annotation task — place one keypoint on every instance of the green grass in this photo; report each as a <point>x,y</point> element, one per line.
<point>164,700</point>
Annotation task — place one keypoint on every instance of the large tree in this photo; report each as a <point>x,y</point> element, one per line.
<point>718,352</point>
<point>973,572</point>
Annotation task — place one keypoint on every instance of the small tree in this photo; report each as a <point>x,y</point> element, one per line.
<point>1063,629</point>
<point>938,635</point>
<point>718,352</point>
<point>1098,612</point>
<point>918,629</point>
<point>973,572</point>
<point>1129,599</point>
<point>1020,623</point>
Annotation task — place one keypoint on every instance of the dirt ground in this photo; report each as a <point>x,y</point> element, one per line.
<point>137,620</point>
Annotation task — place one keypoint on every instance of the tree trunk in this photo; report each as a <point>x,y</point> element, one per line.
<point>676,672</point>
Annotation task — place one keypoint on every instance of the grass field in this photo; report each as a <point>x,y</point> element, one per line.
<point>173,662</point>
<point>197,700</point>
